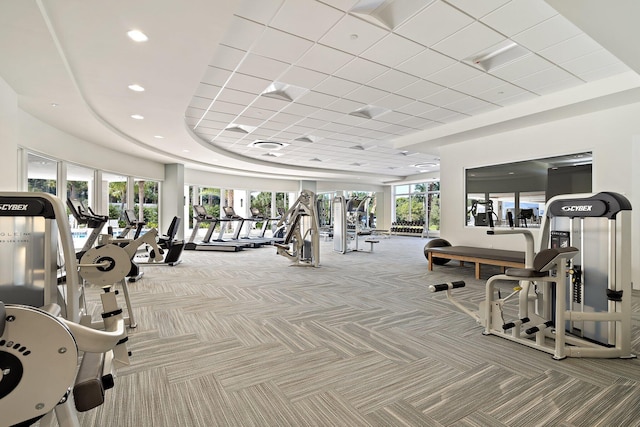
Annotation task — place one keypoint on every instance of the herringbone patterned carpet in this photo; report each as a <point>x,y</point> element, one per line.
<point>245,339</point>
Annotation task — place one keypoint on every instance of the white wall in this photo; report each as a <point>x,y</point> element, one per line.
<point>39,136</point>
<point>608,134</point>
<point>8,137</point>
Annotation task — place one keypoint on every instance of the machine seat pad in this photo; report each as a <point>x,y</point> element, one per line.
<point>524,272</point>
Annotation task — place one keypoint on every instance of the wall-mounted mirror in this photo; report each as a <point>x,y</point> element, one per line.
<point>515,194</point>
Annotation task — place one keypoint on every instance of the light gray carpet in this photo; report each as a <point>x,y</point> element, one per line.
<point>245,339</point>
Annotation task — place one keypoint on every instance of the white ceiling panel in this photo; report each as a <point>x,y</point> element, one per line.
<point>244,35</point>
<point>344,106</point>
<point>415,108</point>
<point>441,19</point>
<point>426,63</point>
<point>479,84</point>
<point>470,40</point>
<point>281,46</point>
<point>420,89</point>
<point>549,76</point>
<point>226,57</point>
<point>215,76</point>
<point>470,105</point>
<point>592,61</point>
<point>522,67</point>
<point>316,99</point>
<point>393,80</point>
<point>547,33</point>
<point>261,11</point>
<point>260,66</point>
<point>476,8</point>
<point>454,74</point>
<point>324,59</point>
<point>392,50</point>
<point>361,70</point>
<point>336,86</point>
<point>393,101</point>
<point>293,17</point>
<point>236,97</point>
<point>518,15</point>
<point>246,83</point>
<point>302,77</point>
<point>604,72</point>
<point>444,97</point>
<point>300,109</point>
<point>569,49</point>
<point>365,94</point>
<point>353,35</point>
<point>269,103</point>
<point>205,90</point>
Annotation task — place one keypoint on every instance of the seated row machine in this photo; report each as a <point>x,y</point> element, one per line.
<point>574,296</point>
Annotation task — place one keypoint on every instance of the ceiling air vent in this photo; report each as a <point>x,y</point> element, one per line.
<point>284,91</point>
<point>267,145</point>
<point>306,138</point>
<point>369,112</point>
<point>233,127</point>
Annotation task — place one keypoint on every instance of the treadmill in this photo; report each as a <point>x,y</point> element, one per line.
<point>202,217</point>
<point>231,216</point>
<point>256,217</point>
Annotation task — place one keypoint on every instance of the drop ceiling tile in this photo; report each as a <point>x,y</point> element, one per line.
<point>326,115</point>
<point>262,11</point>
<point>393,80</point>
<point>393,101</point>
<point>215,76</point>
<point>518,15</point>
<point>258,113</point>
<point>546,77</point>
<point>392,50</point>
<point>226,57</point>
<point>248,121</point>
<point>316,99</point>
<point>470,105</point>
<point>558,85</point>
<point>365,94</point>
<point>415,108</point>
<point>283,117</point>
<point>523,96</point>
<point>416,122</point>
<point>444,97</point>
<point>274,126</point>
<point>302,77</point>
<point>293,17</point>
<point>479,84</point>
<point>227,107</point>
<point>522,67</point>
<point>547,33</point>
<point>420,89</point>
<point>260,66</point>
<point>592,61</point>
<point>454,74</point>
<point>426,63</point>
<point>335,127</point>
<point>336,86</point>
<point>350,120</point>
<point>604,72</point>
<point>361,71</point>
<point>236,97</point>
<point>344,5</point>
<point>269,103</point>
<point>470,40</point>
<point>439,114</point>
<point>246,83</point>
<point>311,123</point>
<point>198,102</point>
<point>299,109</point>
<point>324,59</point>
<point>498,94</point>
<point>344,106</point>
<point>476,8</point>
<point>281,46</point>
<point>205,90</point>
<point>570,49</point>
<point>244,33</point>
<point>392,117</point>
<point>440,21</point>
<point>353,35</point>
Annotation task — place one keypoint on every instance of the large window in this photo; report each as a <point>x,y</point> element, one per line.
<point>417,207</point>
<point>42,174</point>
<point>146,202</point>
<point>117,199</point>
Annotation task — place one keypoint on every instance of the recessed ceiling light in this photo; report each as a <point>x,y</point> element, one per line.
<point>186,151</point>
<point>306,138</point>
<point>137,116</point>
<point>158,137</point>
<point>54,105</point>
<point>136,88</point>
<point>424,165</point>
<point>233,127</point>
<point>369,111</point>
<point>284,91</point>
<point>137,36</point>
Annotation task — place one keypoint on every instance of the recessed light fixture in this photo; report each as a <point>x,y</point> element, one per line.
<point>369,111</point>
<point>306,138</point>
<point>424,165</point>
<point>233,127</point>
<point>500,54</point>
<point>284,91</point>
<point>54,105</point>
<point>136,88</point>
<point>186,151</point>
<point>137,116</point>
<point>158,137</point>
<point>137,36</point>
<point>271,154</point>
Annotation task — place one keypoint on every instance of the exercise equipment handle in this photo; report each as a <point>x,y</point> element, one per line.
<point>447,286</point>
<point>94,340</point>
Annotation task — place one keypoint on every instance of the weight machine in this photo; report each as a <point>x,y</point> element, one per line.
<point>350,221</point>
<point>301,239</point>
<point>573,299</point>
<point>44,325</point>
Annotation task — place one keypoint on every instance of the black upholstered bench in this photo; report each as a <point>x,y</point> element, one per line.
<point>500,257</point>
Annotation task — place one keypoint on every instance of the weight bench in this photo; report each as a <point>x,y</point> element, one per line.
<point>478,256</point>
<point>372,242</point>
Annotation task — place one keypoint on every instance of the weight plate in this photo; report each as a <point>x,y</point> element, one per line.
<point>118,268</point>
